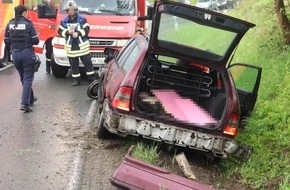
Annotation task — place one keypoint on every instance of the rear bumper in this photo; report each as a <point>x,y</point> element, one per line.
<point>123,125</point>
<point>135,174</point>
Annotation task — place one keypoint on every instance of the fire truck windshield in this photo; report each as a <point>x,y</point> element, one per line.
<point>104,7</point>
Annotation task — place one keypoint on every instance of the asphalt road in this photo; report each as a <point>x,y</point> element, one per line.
<point>43,149</point>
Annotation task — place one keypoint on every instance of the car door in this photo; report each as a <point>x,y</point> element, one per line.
<point>247,80</point>
<point>116,73</point>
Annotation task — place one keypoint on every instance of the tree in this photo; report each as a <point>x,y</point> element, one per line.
<point>283,20</point>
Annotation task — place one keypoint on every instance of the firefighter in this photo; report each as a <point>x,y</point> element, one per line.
<point>21,35</point>
<point>75,29</point>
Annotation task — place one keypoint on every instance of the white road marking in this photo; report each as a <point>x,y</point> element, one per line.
<point>75,179</point>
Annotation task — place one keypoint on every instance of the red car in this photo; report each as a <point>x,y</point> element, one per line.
<point>178,85</point>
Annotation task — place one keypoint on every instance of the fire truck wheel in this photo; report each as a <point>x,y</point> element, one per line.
<point>101,130</point>
<point>93,89</point>
<point>57,70</point>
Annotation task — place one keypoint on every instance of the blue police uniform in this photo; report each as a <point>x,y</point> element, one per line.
<point>21,35</point>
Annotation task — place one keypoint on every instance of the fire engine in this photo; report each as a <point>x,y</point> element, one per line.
<point>112,23</point>
<point>6,13</point>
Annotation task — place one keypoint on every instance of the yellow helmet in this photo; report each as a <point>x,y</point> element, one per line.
<point>70,5</point>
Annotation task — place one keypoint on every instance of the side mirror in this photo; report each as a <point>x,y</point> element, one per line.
<point>110,53</point>
<point>46,11</point>
<point>149,16</point>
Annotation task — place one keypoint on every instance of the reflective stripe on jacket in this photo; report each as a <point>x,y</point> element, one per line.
<point>79,46</point>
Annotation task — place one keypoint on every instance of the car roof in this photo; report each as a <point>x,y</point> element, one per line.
<point>195,33</point>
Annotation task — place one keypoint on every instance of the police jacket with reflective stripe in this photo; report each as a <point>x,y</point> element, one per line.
<point>79,46</point>
<point>20,33</point>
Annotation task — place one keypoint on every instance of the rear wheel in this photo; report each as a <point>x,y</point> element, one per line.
<point>57,70</point>
<point>101,130</point>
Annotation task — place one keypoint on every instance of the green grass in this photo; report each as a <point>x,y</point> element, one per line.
<point>268,130</point>
<point>146,152</point>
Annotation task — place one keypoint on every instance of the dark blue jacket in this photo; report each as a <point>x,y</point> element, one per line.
<point>21,34</point>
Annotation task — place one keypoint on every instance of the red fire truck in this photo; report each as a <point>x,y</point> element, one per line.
<point>6,13</point>
<point>112,24</point>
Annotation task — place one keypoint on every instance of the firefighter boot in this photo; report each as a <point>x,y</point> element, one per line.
<point>76,81</point>
<point>48,66</point>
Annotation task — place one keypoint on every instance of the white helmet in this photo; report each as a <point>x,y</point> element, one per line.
<point>70,5</point>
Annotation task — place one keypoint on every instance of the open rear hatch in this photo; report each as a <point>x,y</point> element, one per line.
<point>169,91</point>
<point>182,80</point>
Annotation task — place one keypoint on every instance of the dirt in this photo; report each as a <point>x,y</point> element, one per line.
<point>102,157</point>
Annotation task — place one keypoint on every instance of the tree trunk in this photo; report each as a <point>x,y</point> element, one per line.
<point>283,20</point>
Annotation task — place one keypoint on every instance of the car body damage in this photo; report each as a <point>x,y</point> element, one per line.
<point>136,174</point>
<point>178,86</point>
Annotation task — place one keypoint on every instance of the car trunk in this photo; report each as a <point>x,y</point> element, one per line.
<point>181,92</point>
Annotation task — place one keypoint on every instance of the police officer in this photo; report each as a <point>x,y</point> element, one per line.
<point>21,35</point>
<point>75,29</point>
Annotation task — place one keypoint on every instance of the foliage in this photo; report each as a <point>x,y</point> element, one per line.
<point>146,152</point>
<point>268,130</point>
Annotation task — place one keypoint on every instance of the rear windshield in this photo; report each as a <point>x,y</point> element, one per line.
<point>203,1</point>
<point>193,35</point>
<point>104,7</point>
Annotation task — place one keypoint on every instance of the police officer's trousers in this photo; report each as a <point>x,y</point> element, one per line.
<point>74,62</point>
<point>24,62</point>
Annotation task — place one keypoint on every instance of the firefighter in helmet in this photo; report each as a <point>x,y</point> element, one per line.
<point>75,29</point>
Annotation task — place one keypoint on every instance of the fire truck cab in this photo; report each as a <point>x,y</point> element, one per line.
<point>6,14</point>
<point>112,24</point>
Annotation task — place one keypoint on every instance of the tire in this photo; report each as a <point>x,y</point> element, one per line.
<point>93,89</point>
<point>101,130</point>
<point>101,95</point>
<point>57,70</point>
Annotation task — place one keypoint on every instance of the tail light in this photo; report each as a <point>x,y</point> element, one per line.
<point>232,126</point>
<point>122,99</point>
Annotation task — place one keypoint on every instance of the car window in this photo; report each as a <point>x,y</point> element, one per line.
<point>32,4</point>
<point>104,7</point>
<point>195,34</point>
<point>124,51</point>
<point>123,55</point>
<point>131,58</point>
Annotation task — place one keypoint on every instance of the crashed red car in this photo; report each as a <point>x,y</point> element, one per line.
<point>178,85</point>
